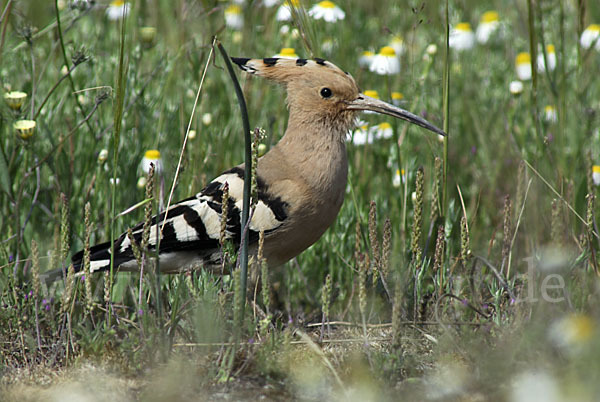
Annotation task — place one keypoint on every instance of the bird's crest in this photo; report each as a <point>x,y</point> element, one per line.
<point>284,69</point>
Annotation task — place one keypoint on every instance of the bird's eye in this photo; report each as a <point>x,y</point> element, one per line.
<point>326,93</point>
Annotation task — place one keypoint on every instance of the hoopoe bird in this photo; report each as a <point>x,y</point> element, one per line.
<point>301,180</point>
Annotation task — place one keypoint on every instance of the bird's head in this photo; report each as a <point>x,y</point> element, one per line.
<point>320,92</point>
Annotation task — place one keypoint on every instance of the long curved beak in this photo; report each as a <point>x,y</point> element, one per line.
<point>364,102</point>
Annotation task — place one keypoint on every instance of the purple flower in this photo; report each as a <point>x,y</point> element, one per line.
<point>11,258</point>
<point>473,150</point>
<point>465,302</point>
<point>82,278</point>
<point>140,312</point>
<point>251,341</point>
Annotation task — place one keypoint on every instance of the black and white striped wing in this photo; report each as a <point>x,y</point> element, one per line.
<point>192,228</point>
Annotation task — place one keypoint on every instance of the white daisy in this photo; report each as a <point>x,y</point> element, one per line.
<point>488,25</point>
<point>117,10</point>
<point>270,3</point>
<point>591,37</point>
<point>523,65</point>
<point>15,99</point>
<point>372,94</point>
<point>397,98</point>
<point>284,12</point>
<point>383,131</point>
<point>102,156</point>
<point>152,156</point>
<point>550,114</point>
<point>362,135</point>
<point>399,178</point>
<point>515,87</point>
<point>366,58</point>
<point>327,10</point>
<point>398,45</point>
<point>596,174</point>
<point>233,17</point>
<point>385,62</point>
<point>550,56</point>
<point>461,37</point>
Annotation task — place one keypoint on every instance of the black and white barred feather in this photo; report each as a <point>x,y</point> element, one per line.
<point>190,236</point>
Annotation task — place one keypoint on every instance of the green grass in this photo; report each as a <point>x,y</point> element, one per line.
<point>455,332</point>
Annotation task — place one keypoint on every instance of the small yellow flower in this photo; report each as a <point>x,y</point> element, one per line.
<point>523,65</point>
<point>15,99</point>
<point>287,53</point>
<point>327,10</point>
<point>372,93</point>
<point>147,35</point>
<point>591,37</point>
<point>461,37</point>
<point>596,174</point>
<point>385,62</point>
<point>25,128</point>
<point>233,17</point>
<point>192,135</point>
<point>152,156</point>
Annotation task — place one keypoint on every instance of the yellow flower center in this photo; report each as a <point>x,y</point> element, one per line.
<point>549,109</point>
<point>402,172</point>
<point>397,96</point>
<point>117,3</point>
<point>385,126</point>
<point>596,168</point>
<point>288,51</point>
<point>233,9</point>
<point>292,3</point>
<point>524,58</point>
<point>489,16</point>
<point>583,327</point>
<point>372,93</point>
<point>397,40</point>
<point>593,28</point>
<point>326,4</point>
<point>152,154</point>
<point>550,49</point>
<point>387,51</point>
<point>368,53</point>
<point>463,26</point>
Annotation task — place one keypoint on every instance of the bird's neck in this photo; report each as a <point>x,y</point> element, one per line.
<point>318,152</point>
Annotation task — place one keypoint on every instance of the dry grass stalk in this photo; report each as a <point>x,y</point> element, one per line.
<point>506,228</point>
<point>374,242</point>
<point>418,213</point>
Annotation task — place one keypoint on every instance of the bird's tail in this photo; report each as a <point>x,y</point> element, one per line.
<point>99,261</point>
